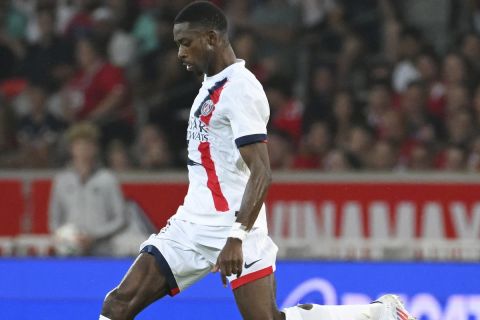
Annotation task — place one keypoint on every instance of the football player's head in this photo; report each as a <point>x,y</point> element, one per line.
<point>200,31</point>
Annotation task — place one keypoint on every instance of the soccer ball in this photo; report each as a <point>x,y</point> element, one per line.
<point>66,240</point>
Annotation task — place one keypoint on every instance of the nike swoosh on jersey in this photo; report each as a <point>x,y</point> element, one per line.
<point>251,264</point>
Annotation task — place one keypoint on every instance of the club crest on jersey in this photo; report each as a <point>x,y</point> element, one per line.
<point>206,108</point>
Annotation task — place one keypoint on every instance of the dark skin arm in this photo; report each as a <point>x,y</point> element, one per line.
<point>255,155</point>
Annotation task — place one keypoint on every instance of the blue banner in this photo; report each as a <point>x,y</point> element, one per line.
<point>74,288</point>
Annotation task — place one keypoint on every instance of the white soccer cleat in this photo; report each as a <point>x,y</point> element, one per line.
<point>394,308</point>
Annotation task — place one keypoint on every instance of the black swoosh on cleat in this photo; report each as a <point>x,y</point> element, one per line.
<point>250,264</point>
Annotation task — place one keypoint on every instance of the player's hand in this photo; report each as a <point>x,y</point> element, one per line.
<point>230,260</point>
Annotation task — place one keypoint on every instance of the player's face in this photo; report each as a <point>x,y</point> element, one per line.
<point>194,50</point>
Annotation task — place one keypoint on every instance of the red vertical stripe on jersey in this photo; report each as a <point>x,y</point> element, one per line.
<point>213,184</point>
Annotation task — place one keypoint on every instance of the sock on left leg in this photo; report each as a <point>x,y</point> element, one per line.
<point>353,312</point>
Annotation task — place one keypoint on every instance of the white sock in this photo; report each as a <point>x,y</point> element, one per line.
<point>353,312</point>
<point>103,318</point>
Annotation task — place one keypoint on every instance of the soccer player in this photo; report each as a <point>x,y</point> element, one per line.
<point>221,225</point>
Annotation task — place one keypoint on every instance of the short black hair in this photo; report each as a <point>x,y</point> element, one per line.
<point>205,14</point>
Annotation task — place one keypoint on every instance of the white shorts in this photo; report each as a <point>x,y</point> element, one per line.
<point>186,252</point>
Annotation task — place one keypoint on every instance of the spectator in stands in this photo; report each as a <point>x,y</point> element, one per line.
<point>170,94</point>
<point>457,100</point>
<point>118,157</point>
<point>38,131</point>
<point>383,156</point>
<point>7,132</point>
<point>245,48</point>
<point>470,49</point>
<point>410,45</point>
<point>99,92</point>
<point>87,211</point>
<point>421,126</point>
<point>313,147</point>
<point>153,34</point>
<point>238,15</point>
<point>476,106</point>
<point>121,46</point>
<point>427,65</point>
<point>50,59</point>
<point>12,33</point>
<point>454,70</point>
<point>275,22</point>
<point>379,71</point>
<point>145,28</point>
<point>343,118</point>
<point>359,146</point>
<point>473,161</point>
<point>320,88</point>
<point>314,13</point>
<point>151,149</point>
<point>455,159</point>
<point>280,150</point>
<point>81,21</point>
<point>286,111</point>
<point>337,160</point>
<point>393,127</point>
<point>349,63</point>
<point>460,129</point>
<point>420,158</point>
<point>379,101</point>
<point>375,54</point>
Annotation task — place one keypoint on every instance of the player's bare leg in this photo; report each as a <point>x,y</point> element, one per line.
<point>257,300</point>
<point>143,284</point>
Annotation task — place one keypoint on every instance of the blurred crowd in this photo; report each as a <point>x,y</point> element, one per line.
<point>375,85</point>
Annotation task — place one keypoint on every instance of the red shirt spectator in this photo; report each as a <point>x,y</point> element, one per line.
<point>289,119</point>
<point>103,80</point>
<point>286,111</point>
<point>99,93</point>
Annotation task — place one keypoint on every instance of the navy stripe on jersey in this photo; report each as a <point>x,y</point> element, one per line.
<point>252,138</point>
<point>190,162</point>
<point>215,87</point>
<point>163,264</point>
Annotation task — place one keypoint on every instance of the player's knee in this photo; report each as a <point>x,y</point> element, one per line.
<point>115,305</point>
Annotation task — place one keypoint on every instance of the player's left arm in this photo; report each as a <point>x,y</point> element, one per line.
<point>255,155</point>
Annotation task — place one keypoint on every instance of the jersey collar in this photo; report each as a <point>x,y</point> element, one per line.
<point>239,63</point>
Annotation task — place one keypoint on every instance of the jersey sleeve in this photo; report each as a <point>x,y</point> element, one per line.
<point>248,113</point>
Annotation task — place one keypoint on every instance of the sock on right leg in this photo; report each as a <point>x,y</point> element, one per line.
<point>103,318</point>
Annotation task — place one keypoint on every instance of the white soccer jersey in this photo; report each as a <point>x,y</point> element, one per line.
<point>230,111</point>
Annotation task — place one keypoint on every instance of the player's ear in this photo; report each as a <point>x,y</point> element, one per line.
<point>212,38</point>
